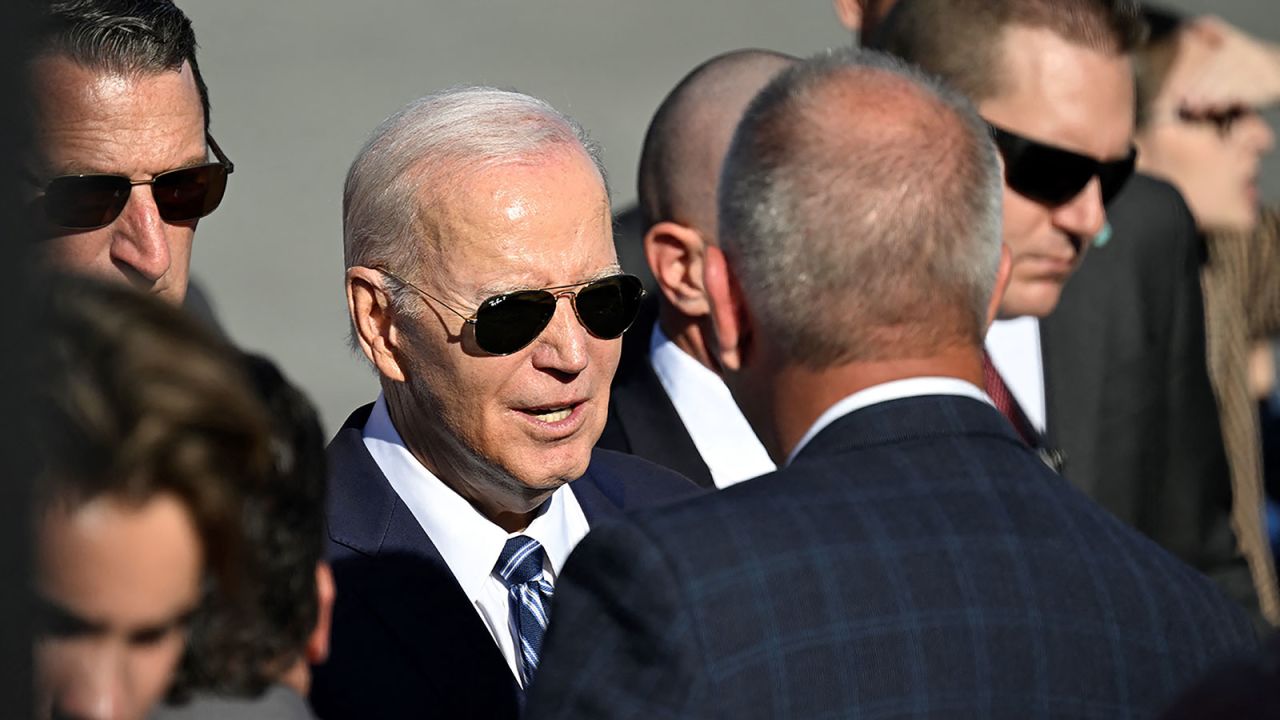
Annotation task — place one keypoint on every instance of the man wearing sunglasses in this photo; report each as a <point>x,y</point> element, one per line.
<point>668,404</point>
<point>123,170</point>
<point>1106,376</point>
<point>483,287</point>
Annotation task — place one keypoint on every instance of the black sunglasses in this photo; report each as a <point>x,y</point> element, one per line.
<point>1054,176</point>
<point>86,202</point>
<point>506,323</point>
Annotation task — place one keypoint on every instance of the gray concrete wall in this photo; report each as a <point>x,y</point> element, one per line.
<point>297,85</point>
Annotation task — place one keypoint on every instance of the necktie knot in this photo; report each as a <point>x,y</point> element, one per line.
<point>520,561</point>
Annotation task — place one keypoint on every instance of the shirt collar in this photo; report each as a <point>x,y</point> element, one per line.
<point>884,392</point>
<point>468,541</point>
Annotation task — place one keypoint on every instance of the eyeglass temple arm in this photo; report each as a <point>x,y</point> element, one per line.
<point>217,153</point>
<point>470,320</point>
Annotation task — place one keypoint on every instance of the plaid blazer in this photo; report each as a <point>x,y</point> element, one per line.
<point>916,560</point>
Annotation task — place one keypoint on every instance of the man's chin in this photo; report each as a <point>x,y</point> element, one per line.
<point>1039,299</point>
<point>544,472</point>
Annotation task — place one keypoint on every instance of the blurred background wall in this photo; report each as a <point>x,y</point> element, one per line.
<point>297,85</point>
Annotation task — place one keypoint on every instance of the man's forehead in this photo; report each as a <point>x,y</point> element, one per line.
<point>1062,93</point>
<point>94,120</point>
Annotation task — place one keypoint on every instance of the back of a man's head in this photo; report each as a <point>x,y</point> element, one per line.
<point>959,40</point>
<point>120,37</point>
<point>860,212</point>
<point>689,135</point>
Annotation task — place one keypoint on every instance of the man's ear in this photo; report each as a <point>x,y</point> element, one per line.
<point>850,14</point>
<point>675,254</point>
<point>728,311</point>
<point>1003,274</point>
<point>318,641</point>
<point>369,306</point>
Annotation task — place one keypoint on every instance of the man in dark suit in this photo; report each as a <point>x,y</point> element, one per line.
<point>913,557</point>
<point>668,403</point>
<point>483,287</point>
<point>1106,374</point>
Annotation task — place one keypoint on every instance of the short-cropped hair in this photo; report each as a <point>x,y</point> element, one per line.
<point>961,40</point>
<point>121,37</point>
<point>859,230</point>
<point>139,401</point>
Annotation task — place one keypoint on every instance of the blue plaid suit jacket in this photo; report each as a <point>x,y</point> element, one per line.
<point>915,560</point>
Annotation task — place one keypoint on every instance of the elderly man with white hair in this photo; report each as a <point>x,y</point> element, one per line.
<point>483,287</point>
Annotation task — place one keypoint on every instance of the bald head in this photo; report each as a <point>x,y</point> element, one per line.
<point>690,133</point>
<point>859,185</point>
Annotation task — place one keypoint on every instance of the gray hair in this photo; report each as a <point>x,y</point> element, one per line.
<point>857,230</point>
<point>426,148</point>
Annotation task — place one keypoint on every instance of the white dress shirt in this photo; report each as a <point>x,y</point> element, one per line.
<point>1014,346</point>
<point>884,392</point>
<point>468,541</point>
<point>721,434</point>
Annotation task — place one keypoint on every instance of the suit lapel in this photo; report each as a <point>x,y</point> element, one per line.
<point>400,575</point>
<point>641,408</point>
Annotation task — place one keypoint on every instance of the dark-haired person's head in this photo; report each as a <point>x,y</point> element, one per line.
<point>1053,79</point>
<point>279,622</point>
<point>121,172</point>
<point>680,164</point>
<point>1212,154</point>
<point>149,436</point>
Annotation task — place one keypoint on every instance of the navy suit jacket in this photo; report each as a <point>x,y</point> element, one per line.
<point>1127,386</point>
<point>916,560</point>
<point>406,641</point>
<point>642,420</point>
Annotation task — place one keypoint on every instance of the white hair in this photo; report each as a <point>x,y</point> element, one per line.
<point>432,143</point>
<point>428,147</point>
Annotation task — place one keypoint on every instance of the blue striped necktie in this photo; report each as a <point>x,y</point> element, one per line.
<point>529,594</point>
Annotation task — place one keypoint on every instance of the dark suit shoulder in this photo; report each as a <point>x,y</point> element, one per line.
<point>931,551</point>
<point>617,482</point>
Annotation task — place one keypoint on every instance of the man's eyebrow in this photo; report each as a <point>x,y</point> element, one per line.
<point>153,633</point>
<point>75,168</point>
<point>54,620</point>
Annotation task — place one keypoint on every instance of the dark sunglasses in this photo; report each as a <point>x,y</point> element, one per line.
<point>1054,176</point>
<point>506,323</point>
<point>86,202</point>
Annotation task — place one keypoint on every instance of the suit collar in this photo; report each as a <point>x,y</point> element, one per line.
<point>907,419</point>
<point>401,576</point>
<point>640,408</point>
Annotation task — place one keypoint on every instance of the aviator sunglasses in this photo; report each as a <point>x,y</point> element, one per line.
<point>87,202</point>
<point>1052,175</point>
<point>506,323</point>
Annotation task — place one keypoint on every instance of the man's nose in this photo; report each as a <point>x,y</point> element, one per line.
<point>1083,215</point>
<point>95,690</point>
<point>562,346</point>
<point>140,236</point>
<point>1258,133</point>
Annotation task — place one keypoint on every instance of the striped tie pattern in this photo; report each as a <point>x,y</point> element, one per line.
<point>529,594</point>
